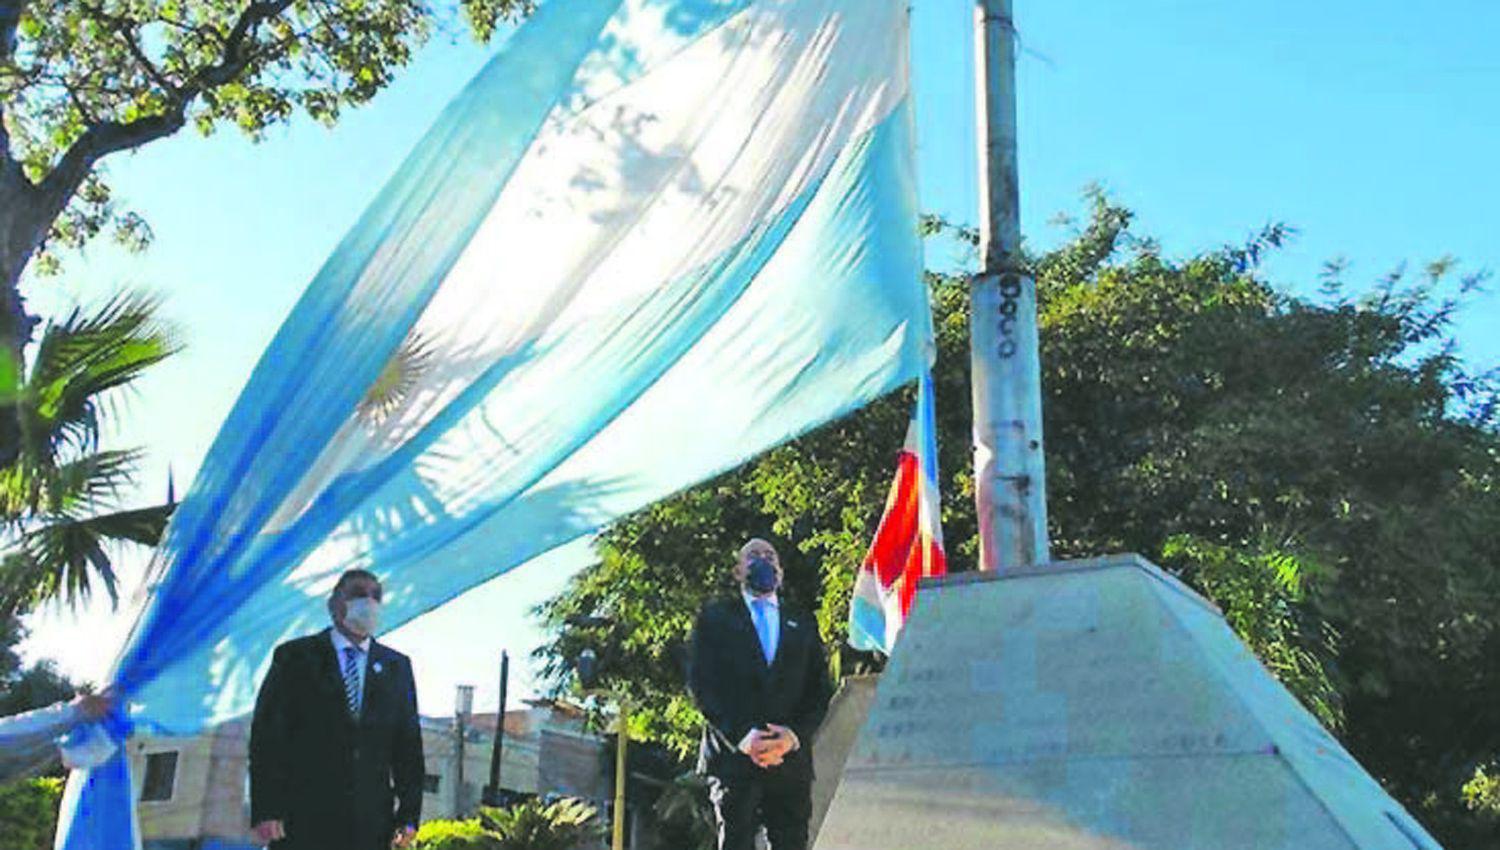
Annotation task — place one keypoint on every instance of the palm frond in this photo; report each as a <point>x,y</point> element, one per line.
<point>82,357</point>
<point>138,525</point>
<point>85,485</point>
<point>54,562</point>
<point>63,558</point>
<point>59,493</point>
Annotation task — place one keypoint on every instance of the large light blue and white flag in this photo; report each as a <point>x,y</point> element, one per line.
<point>650,240</point>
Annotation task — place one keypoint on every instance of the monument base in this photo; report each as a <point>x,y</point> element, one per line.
<point>1094,705</point>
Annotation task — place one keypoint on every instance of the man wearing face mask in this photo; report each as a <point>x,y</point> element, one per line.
<point>335,746</point>
<point>759,676</point>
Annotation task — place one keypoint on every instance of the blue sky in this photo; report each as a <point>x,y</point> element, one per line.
<point>1372,127</point>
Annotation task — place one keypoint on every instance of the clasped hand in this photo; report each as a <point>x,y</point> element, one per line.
<point>769,746</point>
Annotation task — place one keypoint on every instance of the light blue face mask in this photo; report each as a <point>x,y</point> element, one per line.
<point>362,615</point>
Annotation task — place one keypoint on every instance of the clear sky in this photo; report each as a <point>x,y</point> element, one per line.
<point>1372,127</point>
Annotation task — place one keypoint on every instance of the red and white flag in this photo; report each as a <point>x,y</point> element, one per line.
<point>908,544</point>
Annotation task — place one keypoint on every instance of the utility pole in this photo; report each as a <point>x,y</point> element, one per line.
<point>463,706</point>
<point>492,791</point>
<point>1009,471</point>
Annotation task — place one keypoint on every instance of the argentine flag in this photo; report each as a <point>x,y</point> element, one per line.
<point>650,240</point>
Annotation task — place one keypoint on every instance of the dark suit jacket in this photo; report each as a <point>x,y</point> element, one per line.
<point>737,691</point>
<point>335,781</point>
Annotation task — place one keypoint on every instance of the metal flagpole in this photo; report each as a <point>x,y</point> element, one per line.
<point>1010,474</point>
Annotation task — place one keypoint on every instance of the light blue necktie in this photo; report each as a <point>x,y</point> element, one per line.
<point>763,627</point>
<point>351,679</point>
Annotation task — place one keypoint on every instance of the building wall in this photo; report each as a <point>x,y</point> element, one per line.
<point>210,794</point>
<point>226,810</point>
<point>518,770</point>
<point>181,815</point>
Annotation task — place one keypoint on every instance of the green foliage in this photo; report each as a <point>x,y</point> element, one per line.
<point>23,687</point>
<point>685,816</point>
<point>1325,470</point>
<point>60,498</point>
<point>1482,792</point>
<point>28,812</point>
<point>1191,402</point>
<point>533,825</point>
<point>1263,592</point>
<point>450,835</point>
<point>80,79</point>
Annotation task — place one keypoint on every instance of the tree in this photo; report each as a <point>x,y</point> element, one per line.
<point>28,812</point>
<point>83,79</point>
<point>1323,469</point>
<point>23,687</point>
<point>60,496</point>
<point>1334,457</point>
<point>28,807</point>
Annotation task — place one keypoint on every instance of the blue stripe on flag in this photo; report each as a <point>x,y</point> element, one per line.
<point>867,626</point>
<point>459,167</point>
<point>927,430</point>
<point>815,314</point>
<point>802,271</point>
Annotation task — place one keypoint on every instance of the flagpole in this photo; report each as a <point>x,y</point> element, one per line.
<point>1010,473</point>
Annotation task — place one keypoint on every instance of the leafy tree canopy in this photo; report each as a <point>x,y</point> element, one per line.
<point>28,812</point>
<point>24,687</point>
<point>1324,469</point>
<point>82,79</point>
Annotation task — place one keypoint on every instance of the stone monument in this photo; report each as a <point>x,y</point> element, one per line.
<point>1095,705</point>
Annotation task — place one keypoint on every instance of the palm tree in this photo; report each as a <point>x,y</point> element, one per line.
<point>61,513</point>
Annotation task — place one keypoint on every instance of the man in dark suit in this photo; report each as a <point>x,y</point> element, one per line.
<point>335,746</point>
<point>758,674</point>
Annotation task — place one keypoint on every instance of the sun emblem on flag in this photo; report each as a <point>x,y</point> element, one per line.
<point>396,381</point>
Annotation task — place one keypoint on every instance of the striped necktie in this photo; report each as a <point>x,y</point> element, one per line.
<point>351,679</point>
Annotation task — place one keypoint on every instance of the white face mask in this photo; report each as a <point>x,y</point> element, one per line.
<point>362,615</point>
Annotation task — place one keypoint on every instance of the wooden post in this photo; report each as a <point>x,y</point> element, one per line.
<point>622,743</point>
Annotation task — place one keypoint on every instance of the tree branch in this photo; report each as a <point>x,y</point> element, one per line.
<point>10,21</point>
<point>235,58</point>
<point>100,140</point>
<point>125,28</point>
<point>105,138</point>
<point>78,104</point>
<point>10,168</point>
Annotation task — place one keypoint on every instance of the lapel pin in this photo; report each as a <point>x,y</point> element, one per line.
<point>375,667</point>
<point>791,624</point>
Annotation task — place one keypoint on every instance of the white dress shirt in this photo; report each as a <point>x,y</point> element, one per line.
<point>773,620</point>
